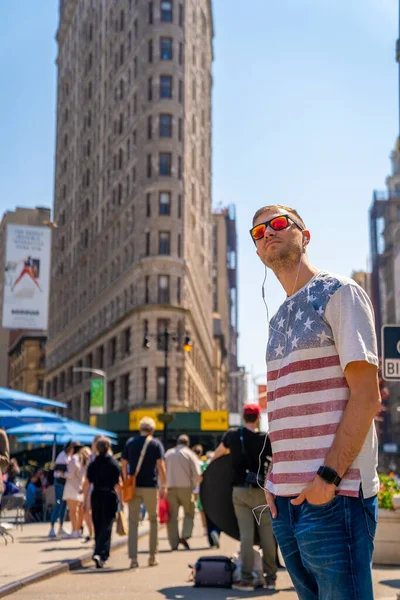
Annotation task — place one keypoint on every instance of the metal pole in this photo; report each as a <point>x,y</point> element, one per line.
<point>165,407</point>
<point>105,393</point>
<point>53,456</point>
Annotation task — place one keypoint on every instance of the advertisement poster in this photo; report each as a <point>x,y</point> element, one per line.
<point>26,277</point>
<point>97,396</point>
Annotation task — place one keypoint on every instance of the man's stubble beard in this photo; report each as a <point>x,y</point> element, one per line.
<point>284,259</point>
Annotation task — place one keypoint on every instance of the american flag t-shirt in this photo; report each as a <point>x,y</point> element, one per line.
<point>311,341</point>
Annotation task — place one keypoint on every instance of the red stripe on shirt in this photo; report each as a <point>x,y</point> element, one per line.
<point>297,455</point>
<point>308,387</point>
<point>304,365</point>
<point>309,409</point>
<point>303,432</point>
<point>276,478</point>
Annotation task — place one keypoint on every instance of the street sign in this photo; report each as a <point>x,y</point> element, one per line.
<point>391,352</point>
<point>214,420</point>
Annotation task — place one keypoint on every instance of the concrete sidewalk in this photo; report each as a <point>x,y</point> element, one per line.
<point>33,552</point>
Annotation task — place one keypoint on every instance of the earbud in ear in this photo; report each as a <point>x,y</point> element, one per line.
<point>305,240</point>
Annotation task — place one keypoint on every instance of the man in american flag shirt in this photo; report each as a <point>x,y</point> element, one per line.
<point>323,395</point>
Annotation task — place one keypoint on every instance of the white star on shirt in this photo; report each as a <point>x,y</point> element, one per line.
<point>279,350</point>
<point>323,337</point>
<point>299,314</point>
<point>320,311</point>
<point>311,298</point>
<point>327,286</point>
<point>290,306</point>
<point>289,332</point>
<point>295,341</point>
<point>281,323</point>
<point>308,323</point>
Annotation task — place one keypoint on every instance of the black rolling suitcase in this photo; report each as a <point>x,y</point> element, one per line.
<point>213,571</point>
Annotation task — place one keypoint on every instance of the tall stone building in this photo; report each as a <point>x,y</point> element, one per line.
<point>38,216</point>
<point>132,253</point>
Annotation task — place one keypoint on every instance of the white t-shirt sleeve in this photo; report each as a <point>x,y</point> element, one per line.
<point>351,317</point>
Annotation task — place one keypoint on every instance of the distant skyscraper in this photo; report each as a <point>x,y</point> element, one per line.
<point>132,253</point>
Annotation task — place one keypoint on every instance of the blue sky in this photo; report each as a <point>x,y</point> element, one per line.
<point>305,114</point>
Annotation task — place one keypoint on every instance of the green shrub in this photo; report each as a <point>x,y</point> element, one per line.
<point>387,489</point>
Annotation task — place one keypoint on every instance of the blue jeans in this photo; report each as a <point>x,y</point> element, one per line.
<point>60,505</point>
<point>328,548</point>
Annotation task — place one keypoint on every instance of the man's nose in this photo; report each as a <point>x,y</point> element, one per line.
<point>269,232</point>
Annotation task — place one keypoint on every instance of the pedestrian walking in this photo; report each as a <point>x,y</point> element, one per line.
<point>60,506</point>
<point>4,458</point>
<point>73,490</point>
<point>104,477</point>
<point>199,451</point>
<point>322,398</point>
<point>251,455</point>
<point>183,476</point>
<point>143,455</point>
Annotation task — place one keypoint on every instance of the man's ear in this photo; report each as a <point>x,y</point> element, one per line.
<point>257,252</point>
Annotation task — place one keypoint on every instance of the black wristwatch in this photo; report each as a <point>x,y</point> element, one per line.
<point>329,475</point>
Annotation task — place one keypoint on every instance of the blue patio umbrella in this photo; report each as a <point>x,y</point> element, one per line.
<point>16,400</point>
<point>12,418</point>
<point>60,439</point>
<point>66,427</point>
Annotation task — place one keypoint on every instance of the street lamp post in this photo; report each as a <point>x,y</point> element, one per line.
<point>166,336</point>
<point>96,372</point>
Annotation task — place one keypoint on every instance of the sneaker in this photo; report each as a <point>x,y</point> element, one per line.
<point>52,533</point>
<point>153,561</point>
<point>99,563</point>
<point>215,538</point>
<point>243,587</point>
<point>62,532</point>
<point>184,543</point>
<point>75,535</point>
<point>87,539</point>
<point>270,582</point>
<point>134,564</point>
<point>66,535</point>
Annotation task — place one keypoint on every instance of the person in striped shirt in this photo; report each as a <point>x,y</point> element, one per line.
<point>323,395</point>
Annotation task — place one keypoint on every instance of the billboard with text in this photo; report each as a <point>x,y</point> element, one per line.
<point>26,277</point>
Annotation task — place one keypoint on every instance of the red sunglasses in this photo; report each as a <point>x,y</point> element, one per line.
<point>277,224</point>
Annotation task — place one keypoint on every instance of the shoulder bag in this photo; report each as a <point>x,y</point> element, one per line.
<point>129,485</point>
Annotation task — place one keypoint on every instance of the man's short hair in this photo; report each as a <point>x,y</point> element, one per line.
<point>183,439</point>
<point>288,209</point>
<point>103,445</point>
<point>147,424</point>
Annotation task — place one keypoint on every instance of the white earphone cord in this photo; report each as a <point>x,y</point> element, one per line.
<point>262,487</point>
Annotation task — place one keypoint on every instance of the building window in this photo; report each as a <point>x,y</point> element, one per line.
<point>180,98</point>
<point>181,15</point>
<point>150,51</point>
<point>179,384</point>
<point>127,341</point>
<point>163,289</point>
<point>125,389</point>
<point>144,382</point>
<point>147,289</point>
<point>180,129</point>
<point>165,165</point>
<point>111,395</point>
<point>179,167</point>
<point>148,205</point>
<point>166,11</point>
<point>166,48</point>
<point>100,357</point>
<point>113,350</point>
<point>165,203</point>
<point>160,383</point>
<point>165,86</point>
<point>149,128</point>
<point>179,290</point>
<point>166,126</point>
<point>151,12</point>
<point>179,244</point>
<point>150,89</point>
<point>164,242</point>
<point>149,165</point>
<point>79,373</point>
<point>147,243</point>
<point>179,207</point>
<point>162,325</point>
<point>135,67</point>
<point>70,377</point>
<point>180,53</point>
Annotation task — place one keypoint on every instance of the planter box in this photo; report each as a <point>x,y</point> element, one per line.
<point>387,539</point>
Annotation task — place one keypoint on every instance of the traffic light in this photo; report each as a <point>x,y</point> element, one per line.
<point>187,344</point>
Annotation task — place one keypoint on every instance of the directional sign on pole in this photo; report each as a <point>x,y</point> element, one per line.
<point>391,352</point>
